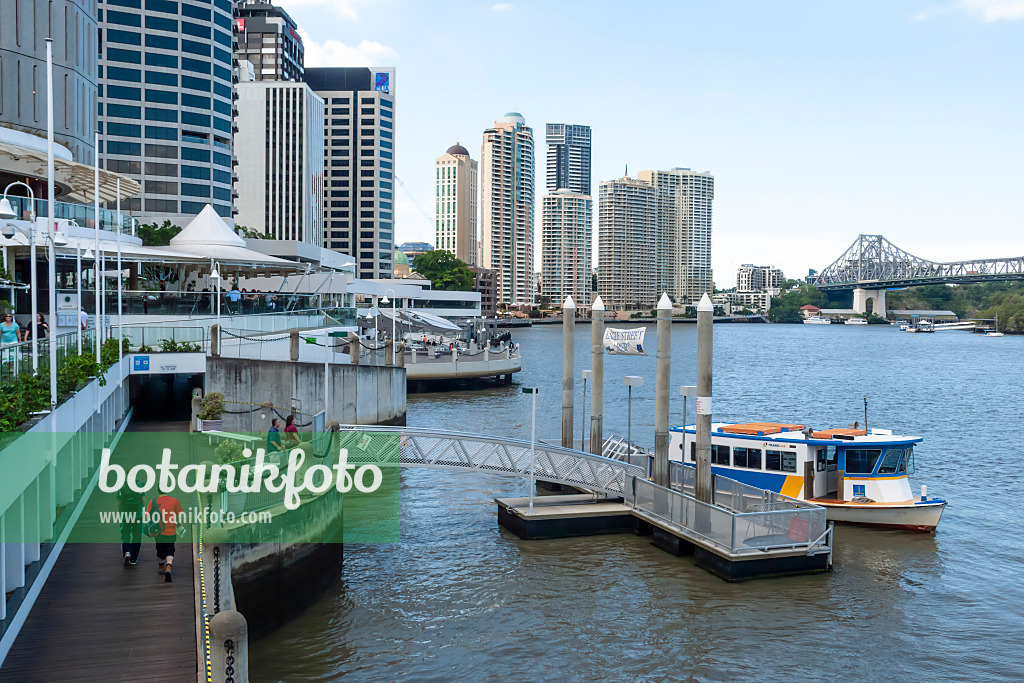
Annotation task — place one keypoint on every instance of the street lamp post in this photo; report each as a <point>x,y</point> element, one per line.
<point>51,224</point>
<point>215,276</point>
<point>687,392</point>
<point>96,226</point>
<point>583,420</point>
<point>533,443</point>
<point>630,381</point>
<point>120,321</point>
<point>7,211</point>
<point>394,315</point>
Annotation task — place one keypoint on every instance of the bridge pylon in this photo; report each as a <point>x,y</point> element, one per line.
<point>862,296</point>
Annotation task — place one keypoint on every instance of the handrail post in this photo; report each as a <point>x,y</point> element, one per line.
<point>215,340</point>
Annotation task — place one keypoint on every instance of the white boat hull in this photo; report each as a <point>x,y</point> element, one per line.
<point>817,321</point>
<point>922,517</point>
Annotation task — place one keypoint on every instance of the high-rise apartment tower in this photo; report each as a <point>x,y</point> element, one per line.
<point>566,252</point>
<point>506,208</point>
<point>268,38</point>
<point>359,164</point>
<point>627,226</point>
<point>279,146</point>
<point>682,240</point>
<point>456,176</point>
<point>165,103</point>
<point>568,160</point>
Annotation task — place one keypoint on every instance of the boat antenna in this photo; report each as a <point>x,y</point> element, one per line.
<point>865,413</point>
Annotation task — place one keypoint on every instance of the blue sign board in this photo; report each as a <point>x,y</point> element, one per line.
<point>141,364</point>
<point>858,489</point>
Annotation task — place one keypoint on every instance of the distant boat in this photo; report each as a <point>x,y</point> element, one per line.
<point>817,320</point>
<point>856,321</point>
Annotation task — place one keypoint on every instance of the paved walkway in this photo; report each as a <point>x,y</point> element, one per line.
<point>97,620</point>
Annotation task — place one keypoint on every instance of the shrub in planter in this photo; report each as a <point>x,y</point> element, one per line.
<point>210,410</point>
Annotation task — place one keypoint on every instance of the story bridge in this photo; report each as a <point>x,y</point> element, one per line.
<point>873,264</point>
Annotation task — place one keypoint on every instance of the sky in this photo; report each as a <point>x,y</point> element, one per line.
<point>820,120</point>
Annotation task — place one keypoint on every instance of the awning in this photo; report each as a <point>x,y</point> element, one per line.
<point>75,179</point>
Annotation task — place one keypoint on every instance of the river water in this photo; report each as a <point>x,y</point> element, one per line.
<point>460,599</point>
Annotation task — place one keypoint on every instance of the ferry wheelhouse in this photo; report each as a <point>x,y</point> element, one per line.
<point>860,477</point>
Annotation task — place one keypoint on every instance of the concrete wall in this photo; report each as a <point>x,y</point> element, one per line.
<point>359,394</point>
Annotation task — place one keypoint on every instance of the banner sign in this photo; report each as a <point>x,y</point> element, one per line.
<point>618,341</point>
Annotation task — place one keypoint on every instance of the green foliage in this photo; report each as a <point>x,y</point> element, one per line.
<point>153,235</point>
<point>145,349</point>
<point>786,308</point>
<point>172,346</point>
<point>24,395</point>
<point>76,371</point>
<point>109,352</point>
<point>981,300</point>
<point>445,271</point>
<point>251,233</point>
<point>229,451</point>
<point>212,406</point>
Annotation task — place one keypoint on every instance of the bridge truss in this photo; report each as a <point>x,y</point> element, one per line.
<point>465,452</point>
<point>873,262</point>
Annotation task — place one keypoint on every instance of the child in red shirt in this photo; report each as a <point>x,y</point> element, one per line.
<point>167,509</point>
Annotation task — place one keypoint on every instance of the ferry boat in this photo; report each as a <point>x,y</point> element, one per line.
<point>856,321</point>
<point>860,477</point>
<point>817,320</point>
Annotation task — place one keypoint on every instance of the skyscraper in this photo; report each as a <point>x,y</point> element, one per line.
<point>683,232</point>
<point>268,38</point>
<point>626,226</point>
<point>506,207</point>
<point>359,162</point>
<point>165,98</point>
<point>456,176</point>
<point>279,146</point>
<point>24,27</point>
<point>568,160</point>
<point>566,238</point>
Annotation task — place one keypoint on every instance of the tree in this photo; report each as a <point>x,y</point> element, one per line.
<point>445,271</point>
<point>251,233</point>
<point>593,282</point>
<point>786,308</point>
<point>153,235</point>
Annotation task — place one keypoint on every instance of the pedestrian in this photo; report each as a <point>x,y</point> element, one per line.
<point>291,432</point>
<point>234,296</point>
<point>274,436</point>
<point>41,329</point>
<point>9,330</point>
<point>129,504</point>
<point>83,319</point>
<point>163,514</point>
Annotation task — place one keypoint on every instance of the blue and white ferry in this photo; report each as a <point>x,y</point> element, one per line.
<point>860,477</point>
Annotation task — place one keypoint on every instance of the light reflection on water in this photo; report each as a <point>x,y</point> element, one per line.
<point>461,599</point>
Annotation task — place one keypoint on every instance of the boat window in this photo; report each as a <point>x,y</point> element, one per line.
<point>746,457</point>
<point>830,459</point>
<point>891,461</point>
<point>693,451</point>
<point>719,455</point>
<point>907,464</point>
<point>819,460</point>
<point>861,461</point>
<point>773,461</point>
<point>788,461</point>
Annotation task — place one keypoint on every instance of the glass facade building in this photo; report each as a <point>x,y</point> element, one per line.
<point>165,103</point>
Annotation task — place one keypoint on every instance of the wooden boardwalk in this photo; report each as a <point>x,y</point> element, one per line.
<point>97,620</point>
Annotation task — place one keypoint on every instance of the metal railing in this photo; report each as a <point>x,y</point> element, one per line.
<point>156,302</point>
<point>732,494</point>
<point>82,214</point>
<point>16,359</point>
<point>455,451</point>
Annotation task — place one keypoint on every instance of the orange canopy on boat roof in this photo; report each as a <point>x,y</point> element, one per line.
<point>829,433</point>
<point>759,428</point>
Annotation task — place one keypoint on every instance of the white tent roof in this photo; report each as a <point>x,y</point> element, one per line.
<point>207,229</point>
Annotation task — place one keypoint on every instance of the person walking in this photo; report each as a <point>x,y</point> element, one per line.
<point>129,504</point>
<point>10,331</point>
<point>291,432</point>
<point>83,319</point>
<point>274,436</point>
<point>163,513</point>
<point>41,329</point>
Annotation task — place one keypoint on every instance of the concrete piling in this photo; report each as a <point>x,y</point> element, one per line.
<point>215,340</point>
<point>568,335</point>
<point>293,345</point>
<point>705,311</point>
<point>661,394</point>
<point>229,647</point>
<point>597,376</point>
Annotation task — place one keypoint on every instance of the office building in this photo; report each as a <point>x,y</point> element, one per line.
<point>568,160</point>
<point>165,103</point>
<point>627,226</point>
<point>506,208</point>
<point>359,163</point>
<point>456,176</point>
<point>566,252</point>
<point>24,27</point>
<point>751,278</point>
<point>279,146</point>
<point>268,38</point>
<point>683,232</point>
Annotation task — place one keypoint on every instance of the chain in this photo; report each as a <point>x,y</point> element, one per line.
<point>216,579</point>
<point>255,339</point>
<point>229,661</point>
